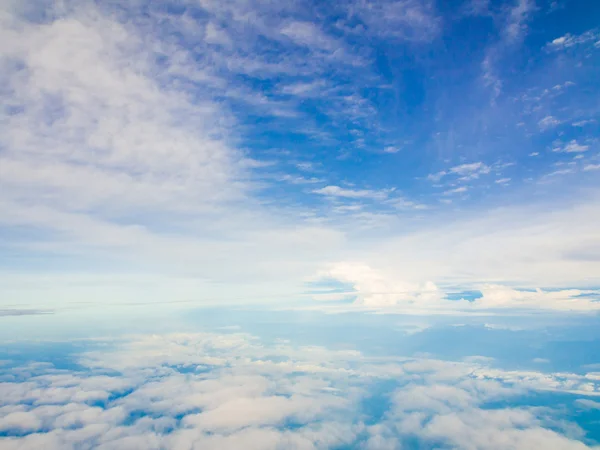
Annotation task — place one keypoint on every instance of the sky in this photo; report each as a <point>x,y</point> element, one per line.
<point>241,151</point>
<point>257,186</point>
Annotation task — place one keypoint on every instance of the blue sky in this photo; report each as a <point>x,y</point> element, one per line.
<point>242,151</point>
<point>365,224</point>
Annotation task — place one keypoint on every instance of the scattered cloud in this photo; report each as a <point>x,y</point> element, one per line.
<point>569,40</point>
<point>583,123</point>
<point>571,147</point>
<point>466,172</point>
<point>470,169</point>
<point>294,179</point>
<point>336,191</point>
<point>548,122</point>
<point>457,190</point>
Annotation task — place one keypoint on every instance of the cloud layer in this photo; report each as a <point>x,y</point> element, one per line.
<point>207,390</point>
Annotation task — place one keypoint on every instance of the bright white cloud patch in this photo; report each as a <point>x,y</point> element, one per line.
<point>383,290</point>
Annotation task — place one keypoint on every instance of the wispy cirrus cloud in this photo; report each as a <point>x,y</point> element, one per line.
<point>569,40</point>
<point>337,191</point>
<point>548,122</point>
<point>571,147</point>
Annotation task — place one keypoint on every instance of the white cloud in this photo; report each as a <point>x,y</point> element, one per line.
<point>589,167</point>
<point>516,23</point>
<point>569,40</point>
<point>298,179</point>
<point>457,190</point>
<point>513,19</point>
<point>583,123</point>
<point>308,34</point>
<point>545,247</point>
<point>405,19</point>
<point>466,172</point>
<point>237,391</point>
<point>588,404</point>
<point>122,150</point>
<point>376,288</point>
<point>120,145</point>
<point>470,169</point>
<point>572,147</point>
<point>95,123</point>
<point>336,191</point>
<point>496,296</point>
<point>304,89</point>
<point>548,122</point>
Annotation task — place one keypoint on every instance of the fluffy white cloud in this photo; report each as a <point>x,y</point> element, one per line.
<point>497,296</point>
<point>382,290</point>
<point>206,390</point>
<point>374,288</point>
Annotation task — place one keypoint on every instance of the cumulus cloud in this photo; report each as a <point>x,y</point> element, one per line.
<point>375,288</point>
<point>205,390</point>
